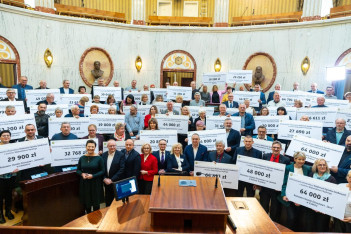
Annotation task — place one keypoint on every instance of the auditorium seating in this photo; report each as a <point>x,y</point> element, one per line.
<point>89,13</point>
<point>17,3</point>
<point>180,21</point>
<point>340,11</point>
<point>267,19</point>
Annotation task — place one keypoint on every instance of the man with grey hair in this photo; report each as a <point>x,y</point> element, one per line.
<point>132,87</point>
<point>338,134</point>
<point>75,112</point>
<point>42,85</point>
<point>50,99</point>
<point>134,122</point>
<point>314,89</point>
<point>329,91</point>
<point>219,156</point>
<point>276,102</point>
<point>65,89</point>
<point>170,110</point>
<point>320,102</point>
<point>195,152</point>
<point>197,100</point>
<point>42,120</point>
<point>65,133</point>
<point>277,87</point>
<point>10,110</point>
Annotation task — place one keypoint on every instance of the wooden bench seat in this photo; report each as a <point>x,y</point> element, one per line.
<point>267,19</point>
<point>340,11</point>
<point>180,21</point>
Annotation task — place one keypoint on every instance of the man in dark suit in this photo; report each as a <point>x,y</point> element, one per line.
<point>314,89</point>
<point>230,103</point>
<point>114,169</point>
<point>132,160</point>
<point>42,85</point>
<point>277,87</point>
<point>162,156</point>
<point>248,151</point>
<point>30,135</point>
<point>219,156</point>
<point>339,172</point>
<point>338,134</point>
<point>268,195</point>
<point>195,152</point>
<point>66,89</point>
<point>247,123</point>
<point>11,94</point>
<point>233,137</point>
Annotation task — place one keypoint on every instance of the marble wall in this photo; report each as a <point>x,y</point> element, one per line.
<point>33,32</point>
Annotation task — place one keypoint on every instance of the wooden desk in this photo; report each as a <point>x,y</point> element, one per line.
<point>200,206</point>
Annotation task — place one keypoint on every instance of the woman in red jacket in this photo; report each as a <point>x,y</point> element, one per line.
<point>149,168</point>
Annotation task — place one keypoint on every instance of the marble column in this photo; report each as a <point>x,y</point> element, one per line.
<point>45,6</point>
<point>316,9</point>
<point>138,12</point>
<point>221,13</point>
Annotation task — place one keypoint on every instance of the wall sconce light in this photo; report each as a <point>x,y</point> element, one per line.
<point>217,65</point>
<point>138,63</point>
<point>305,65</point>
<point>48,58</point>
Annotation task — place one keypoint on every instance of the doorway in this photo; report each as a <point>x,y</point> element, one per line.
<point>183,78</point>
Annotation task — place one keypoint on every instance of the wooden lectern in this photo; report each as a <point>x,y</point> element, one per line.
<point>203,206</point>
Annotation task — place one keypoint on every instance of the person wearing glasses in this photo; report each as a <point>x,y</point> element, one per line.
<point>92,129</point>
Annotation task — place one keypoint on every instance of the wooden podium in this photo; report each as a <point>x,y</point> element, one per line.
<point>188,207</point>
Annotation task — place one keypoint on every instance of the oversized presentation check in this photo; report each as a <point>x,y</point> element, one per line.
<point>106,123</point>
<point>19,106</point>
<point>194,110</point>
<point>3,93</point>
<point>160,91</point>
<point>142,109</point>
<point>162,106</point>
<point>346,115</point>
<point>174,91</point>
<point>217,122</point>
<point>24,155</point>
<point>288,128</point>
<point>291,111</point>
<point>325,197</point>
<point>68,152</point>
<point>173,122</point>
<point>232,111</point>
<point>342,104</point>
<point>34,96</point>
<point>104,92</point>
<point>16,124</point>
<point>153,138</point>
<point>228,174</point>
<point>208,138</point>
<point>315,149</point>
<point>137,95</point>
<point>103,108</point>
<point>261,172</point>
<point>289,97</point>
<point>241,96</point>
<point>239,76</point>
<point>72,99</point>
<point>270,122</point>
<point>50,109</point>
<point>326,115</point>
<point>214,78</point>
<point>262,145</point>
<point>79,127</point>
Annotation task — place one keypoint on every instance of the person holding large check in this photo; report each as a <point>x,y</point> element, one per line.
<point>344,226</point>
<point>91,169</point>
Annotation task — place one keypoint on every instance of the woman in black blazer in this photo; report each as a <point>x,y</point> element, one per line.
<point>177,161</point>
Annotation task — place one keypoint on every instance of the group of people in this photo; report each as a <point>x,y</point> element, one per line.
<point>98,171</point>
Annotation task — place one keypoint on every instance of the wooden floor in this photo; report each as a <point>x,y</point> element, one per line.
<point>16,221</point>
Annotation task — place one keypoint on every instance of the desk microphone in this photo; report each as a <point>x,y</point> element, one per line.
<point>159,180</point>
<point>216,184</point>
<point>198,173</point>
<point>231,222</point>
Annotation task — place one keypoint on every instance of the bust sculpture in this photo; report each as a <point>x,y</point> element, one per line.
<point>258,76</point>
<point>97,72</point>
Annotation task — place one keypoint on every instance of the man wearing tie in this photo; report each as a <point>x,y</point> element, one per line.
<point>230,103</point>
<point>195,152</point>
<point>162,156</point>
<point>114,169</point>
<point>132,160</point>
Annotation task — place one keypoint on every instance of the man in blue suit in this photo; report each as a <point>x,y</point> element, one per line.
<point>247,121</point>
<point>66,89</point>
<point>233,137</point>
<point>114,169</point>
<point>162,156</point>
<point>262,99</point>
<point>219,156</point>
<point>21,87</point>
<point>277,87</point>
<point>338,134</point>
<point>248,151</point>
<point>339,172</point>
<point>195,152</point>
<point>314,89</point>
<point>132,160</point>
<point>230,103</point>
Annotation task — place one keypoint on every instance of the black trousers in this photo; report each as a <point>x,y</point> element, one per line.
<point>317,222</point>
<point>145,187</point>
<point>250,192</point>
<point>109,195</point>
<point>270,196</point>
<point>340,226</point>
<point>6,186</point>
<point>297,217</point>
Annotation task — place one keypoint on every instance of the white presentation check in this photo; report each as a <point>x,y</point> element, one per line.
<point>174,91</point>
<point>104,92</point>
<point>153,138</point>
<point>79,126</point>
<point>34,96</point>
<point>208,138</point>
<point>173,122</point>
<point>262,145</point>
<point>106,123</point>
<point>288,128</point>
<point>16,124</point>
<point>217,122</point>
